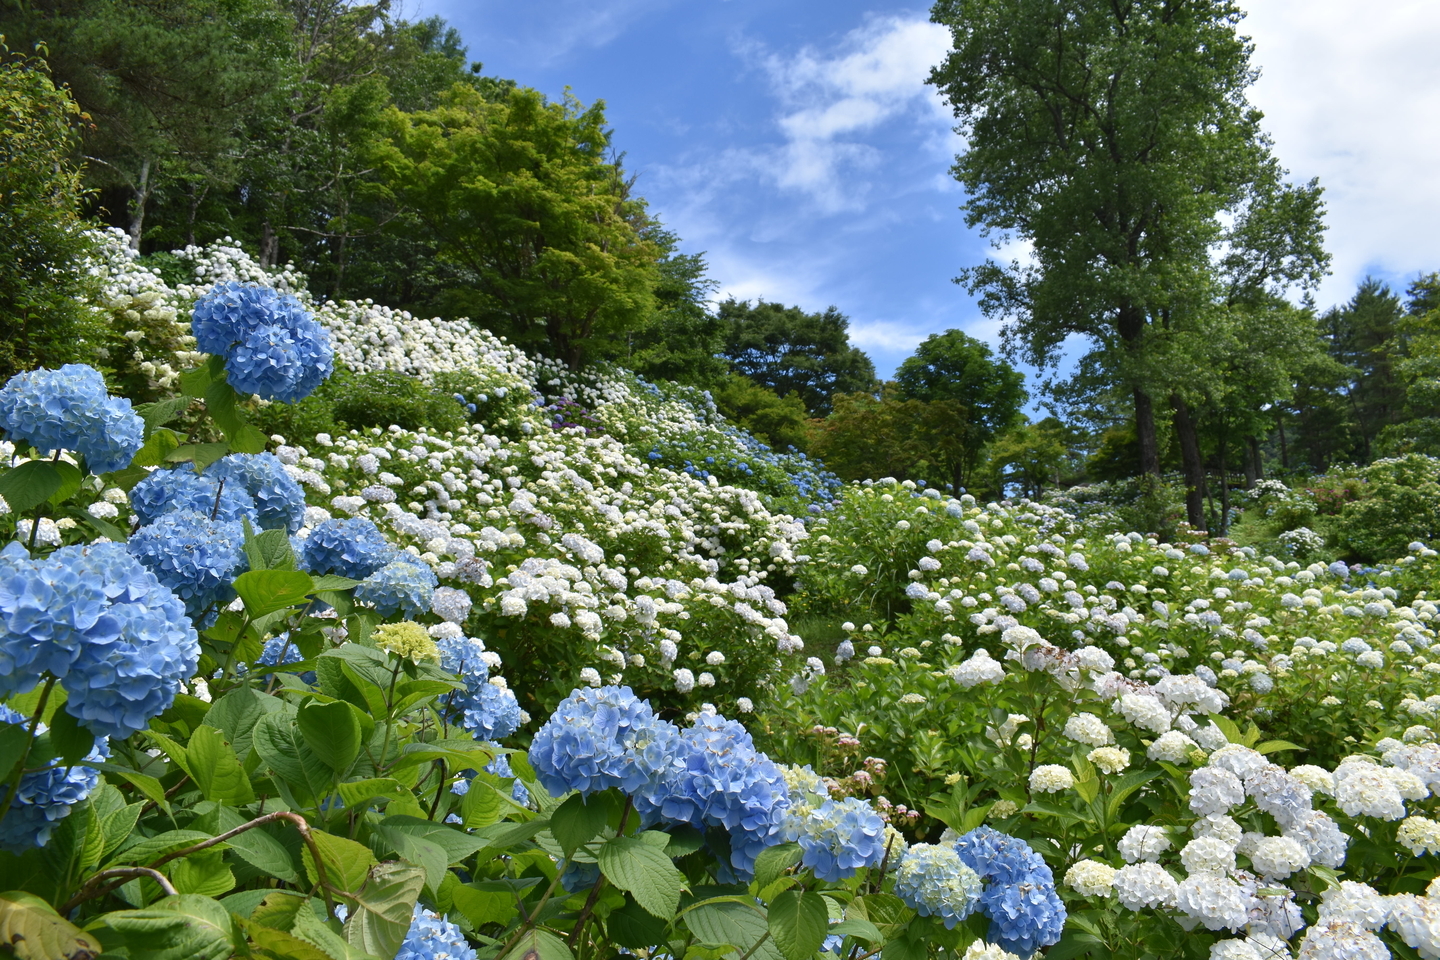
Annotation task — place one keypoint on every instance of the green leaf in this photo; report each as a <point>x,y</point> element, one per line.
<point>283,748</point>
<point>278,909</point>
<point>280,943</point>
<point>194,383</point>
<point>201,454</point>
<point>183,927</point>
<point>650,877</point>
<point>773,861</point>
<point>204,873</point>
<point>34,931</point>
<point>1228,727</point>
<point>357,793</point>
<point>886,911</point>
<point>1275,746</point>
<point>237,713</point>
<point>632,926</point>
<point>860,929</point>
<point>262,851</point>
<point>161,412</point>
<point>29,485</point>
<point>70,480</point>
<point>267,591</point>
<point>905,948</point>
<point>216,770</point>
<point>485,906</point>
<point>480,806</point>
<point>1124,786</point>
<point>220,403</point>
<point>158,445</point>
<point>576,822</point>
<point>729,922</point>
<point>798,922</point>
<point>347,863</point>
<point>269,550</point>
<point>332,732</point>
<point>13,739</point>
<point>153,848</point>
<point>383,908</point>
<point>543,945</point>
<point>148,786</point>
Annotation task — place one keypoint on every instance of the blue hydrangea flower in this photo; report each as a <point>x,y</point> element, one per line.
<point>718,779</point>
<point>45,796</point>
<point>48,610</point>
<point>580,876</point>
<point>353,548</point>
<point>272,346</point>
<point>278,651</point>
<point>932,879</point>
<point>1023,916</point>
<point>70,409</point>
<point>194,556</point>
<point>279,501</point>
<point>602,738</point>
<point>172,491</point>
<point>488,711</point>
<point>432,937</point>
<point>998,856</point>
<point>403,587</point>
<point>131,671</point>
<point>839,838</point>
<point>500,766</point>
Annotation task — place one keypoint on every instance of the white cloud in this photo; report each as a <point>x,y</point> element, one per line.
<point>1351,92</point>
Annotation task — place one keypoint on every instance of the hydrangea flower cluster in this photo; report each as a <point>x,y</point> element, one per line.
<point>486,707</point>
<point>279,500</point>
<point>116,638</point>
<point>182,489</point>
<point>70,409</point>
<point>839,837</point>
<point>602,738</point>
<point>402,587</point>
<point>194,556</point>
<point>1019,897</point>
<point>353,548</point>
<point>45,796</point>
<point>933,879</point>
<point>272,346</point>
<point>433,937</point>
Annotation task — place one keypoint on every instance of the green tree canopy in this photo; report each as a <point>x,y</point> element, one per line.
<point>791,351</point>
<point>987,393</point>
<point>546,244</point>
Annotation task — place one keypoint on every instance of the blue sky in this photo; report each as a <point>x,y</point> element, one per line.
<point>795,144</point>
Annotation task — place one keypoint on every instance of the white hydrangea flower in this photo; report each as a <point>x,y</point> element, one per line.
<point>1213,790</point>
<point>1419,835</point>
<point>1216,901</point>
<point>1336,939</point>
<point>1172,746</point>
<point>1241,761</point>
<point>1145,885</point>
<point>1417,921</point>
<point>1088,729</point>
<point>1110,760</point>
<point>1356,903</point>
<point>1091,878</point>
<point>1316,778</point>
<point>1219,826</point>
<point>1208,855</point>
<point>1278,857</point>
<point>1051,778</point>
<point>1145,712</point>
<point>1321,837</point>
<point>1143,842</point>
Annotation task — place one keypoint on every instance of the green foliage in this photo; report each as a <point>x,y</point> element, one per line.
<point>357,401</point>
<point>779,421</point>
<point>547,246</point>
<point>1399,503</point>
<point>869,437</point>
<point>42,319</point>
<point>791,351</point>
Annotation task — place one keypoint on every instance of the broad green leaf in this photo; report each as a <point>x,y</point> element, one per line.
<point>201,454</point>
<point>576,822</point>
<point>886,911</point>
<point>650,876</point>
<point>484,906</point>
<point>153,848</point>
<point>480,806</point>
<point>216,770</point>
<point>13,739</point>
<point>158,446</point>
<point>313,930</point>
<point>332,732</point>
<point>1275,746</point>
<point>268,549</point>
<point>269,591</point>
<point>282,944</point>
<point>148,786</point>
<point>117,826</point>
<point>634,927</point>
<point>194,383</point>
<point>34,931</point>
<point>346,862</point>
<point>278,909</point>
<point>357,793</point>
<point>740,924</point>
<point>859,928</point>
<point>236,715</point>
<point>262,851</point>
<point>1126,785</point>
<point>798,923</point>
<point>220,403</point>
<point>280,744</point>
<point>70,480</point>
<point>541,944</point>
<point>178,755</point>
<point>1228,727</point>
<point>183,927</point>
<point>29,485</point>
<point>456,843</point>
<point>161,412</point>
<point>905,948</point>
<point>383,908</point>
<point>1048,809</point>
<point>774,861</point>
<point>204,873</point>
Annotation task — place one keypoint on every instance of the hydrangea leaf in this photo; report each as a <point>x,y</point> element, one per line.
<point>346,862</point>
<point>737,923</point>
<point>332,732</point>
<point>220,403</point>
<point>632,926</point>
<point>158,446</point>
<point>282,747</point>
<point>577,821</point>
<point>860,928</point>
<point>34,931</point>
<point>201,454</point>
<point>29,485</point>
<point>774,861</point>
<point>236,715</point>
<point>269,591</point>
<point>384,906</point>
<point>215,768</point>
<point>70,741</point>
<point>13,738</point>
<point>161,412</point>
<point>886,911</point>
<point>649,876</point>
<point>798,922</point>
<point>280,943</point>
<point>183,927</point>
<point>481,904</point>
<point>270,550</point>
<point>541,944</point>
<point>481,805</point>
<point>70,480</point>
<point>204,873</point>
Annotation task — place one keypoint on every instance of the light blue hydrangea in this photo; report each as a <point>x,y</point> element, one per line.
<point>718,779</point>
<point>402,588</point>
<point>271,344</point>
<point>279,501</point>
<point>71,409</point>
<point>432,937</point>
<point>580,876</point>
<point>488,711</point>
<point>194,556</point>
<point>181,489</point>
<point>48,611</point>
<point>1019,897</point>
<point>500,767</point>
<point>278,651</point>
<point>839,838</point>
<point>493,714</point>
<point>602,738</point>
<point>353,548</point>
<point>998,856</point>
<point>46,796</point>
<point>932,879</point>
<point>131,670</point>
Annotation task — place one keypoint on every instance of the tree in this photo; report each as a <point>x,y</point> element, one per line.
<point>779,421</point>
<point>789,350</point>
<point>1364,335</point>
<point>1116,138</point>
<point>546,245</point>
<point>1033,456</point>
<point>42,318</point>
<point>682,339</point>
<point>987,393</point>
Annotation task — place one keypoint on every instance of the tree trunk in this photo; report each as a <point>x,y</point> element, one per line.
<point>1257,464</point>
<point>1193,466</point>
<point>1284,450</point>
<point>1222,526</point>
<point>1145,433</point>
<point>139,197</point>
<point>1250,460</point>
<point>269,246</point>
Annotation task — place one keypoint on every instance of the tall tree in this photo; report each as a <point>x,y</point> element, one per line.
<point>1114,135</point>
<point>987,393</point>
<point>1364,335</point>
<point>791,351</point>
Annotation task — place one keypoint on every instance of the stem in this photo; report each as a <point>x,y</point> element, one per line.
<point>215,510</point>
<point>530,920</point>
<point>14,786</point>
<point>439,790</point>
<point>763,937</point>
<point>35,523</point>
<point>599,884</point>
<point>125,873</point>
